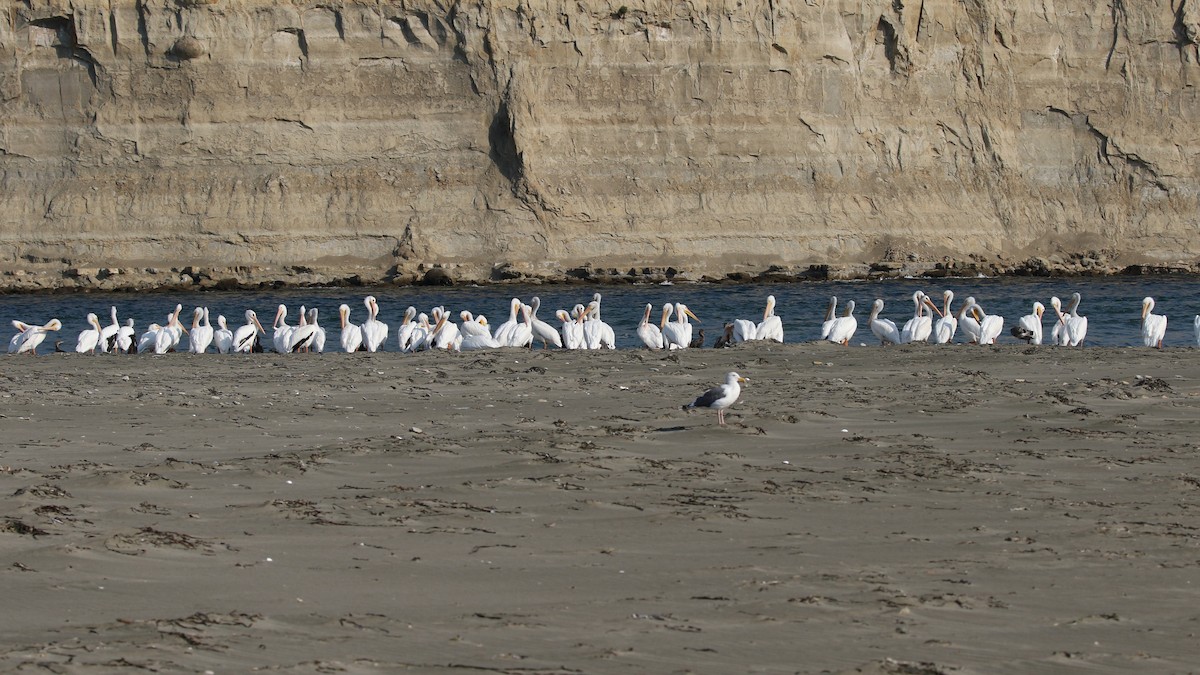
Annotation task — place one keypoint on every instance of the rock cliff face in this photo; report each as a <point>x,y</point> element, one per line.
<point>244,140</point>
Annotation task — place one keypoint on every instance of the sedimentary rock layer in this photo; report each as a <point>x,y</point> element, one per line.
<point>371,140</point>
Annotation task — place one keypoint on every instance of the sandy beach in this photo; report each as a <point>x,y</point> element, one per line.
<point>916,509</point>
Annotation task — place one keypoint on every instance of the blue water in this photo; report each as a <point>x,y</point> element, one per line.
<point>1112,305</point>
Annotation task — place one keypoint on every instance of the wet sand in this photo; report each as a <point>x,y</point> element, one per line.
<point>899,510</point>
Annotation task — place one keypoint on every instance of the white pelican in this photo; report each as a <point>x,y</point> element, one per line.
<point>599,334</point>
<point>1058,334</point>
<point>30,336</point>
<point>968,322</point>
<point>990,325</point>
<point>222,336</point>
<point>522,333</point>
<point>883,329</point>
<point>945,327</point>
<point>89,338</point>
<point>300,338</point>
<point>174,329</point>
<point>446,334</point>
<point>125,335</point>
<point>744,330</point>
<point>108,334</point>
<point>920,327</point>
<point>281,331</point>
<point>572,330</point>
<point>475,333</point>
<point>374,331</point>
<point>771,327</point>
<point>421,334</point>
<point>156,340</point>
<point>202,334</point>
<point>245,338</point>
<point>404,333</point>
<point>720,397</point>
<point>648,333</point>
<point>1154,326</point>
<point>1196,329</point>
<point>1076,326</point>
<point>351,334</point>
<point>843,328</point>
<point>1029,327</point>
<point>830,317</point>
<point>504,331</point>
<point>542,330</point>
<point>678,333</point>
<point>318,343</point>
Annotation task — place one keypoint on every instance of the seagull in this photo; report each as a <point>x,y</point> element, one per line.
<point>720,397</point>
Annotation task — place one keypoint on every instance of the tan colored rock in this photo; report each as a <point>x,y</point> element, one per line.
<point>360,139</point>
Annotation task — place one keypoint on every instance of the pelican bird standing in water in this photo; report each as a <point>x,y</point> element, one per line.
<point>648,333</point>
<point>222,336</point>
<point>830,318</point>
<point>30,336</point>
<point>374,331</point>
<point>945,327</point>
<point>1075,326</point>
<point>1154,326</point>
<point>771,327</point>
<point>351,338</point>
<point>1029,327</point>
<point>678,333</point>
<point>883,329</point>
<point>542,330</point>
<point>202,333</point>
<point>245,338</point>
<point>720,397</point>
<point>990,325</point>
<point>920,327</point>
<point>843,328</point>
<point>89,338</point>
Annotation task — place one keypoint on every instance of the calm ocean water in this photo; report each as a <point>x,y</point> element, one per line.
<point>1112,305</point>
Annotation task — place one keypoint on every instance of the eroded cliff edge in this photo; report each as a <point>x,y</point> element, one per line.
<point>236,141</point>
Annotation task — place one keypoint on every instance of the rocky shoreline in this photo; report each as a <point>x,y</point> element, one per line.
<point>194,277</point>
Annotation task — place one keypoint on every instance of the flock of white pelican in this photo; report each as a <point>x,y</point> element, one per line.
<point>579,328</point>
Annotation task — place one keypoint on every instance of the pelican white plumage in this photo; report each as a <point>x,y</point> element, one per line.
<point>883,329</point>
<point>245,338</point>
<point>844,327</point>
<point>830,318</point>
<point>599,334</point>
<point>542,330</point>
<point>572,330</point>
<point>89,338</point>
<point>174,329</point>
<point>475,333</point>
<point>945,327</point>
<point>222,336</point>
<point>125,337</point>
<point>720,397</point>
<point>446,334</point>
<point>990,325</point>
<point>968,322</point>
<point>1075,326</point>
<point>678,333</point>
<point>1029,326</point>
<point>351,336</point>
<point>202,333</point>
<point>771,327</point>
<point>1196,329</point>
<point>920,326</point>
<point>648,333</point>
<point>1058,334</point>
<point>374,331</point>
<point>504,332</point>
<point>521,334</point>
<point>108,334</point>
<point>421,334</point>
<point>744,330</point>
<point>30,336</point>
<point>300,338</point>
<point>1154,326</point>
<point>280,337</point>
<point>404,333</point>
<point>318,343</point>
<point>157,339</point>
